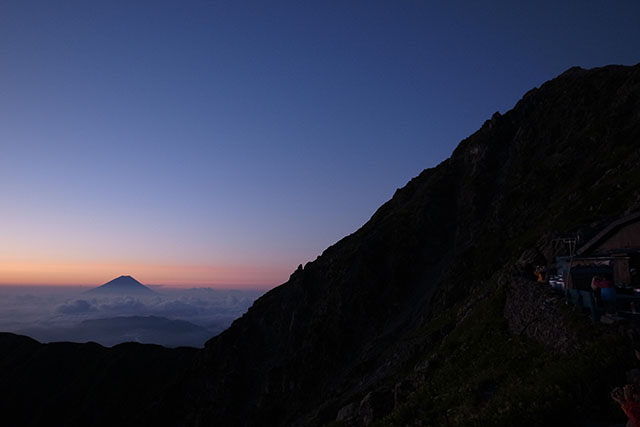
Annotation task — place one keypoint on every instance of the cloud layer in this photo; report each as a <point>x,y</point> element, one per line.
<point>51,314</point>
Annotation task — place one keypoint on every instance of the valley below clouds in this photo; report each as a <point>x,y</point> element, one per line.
<point>170,316</point>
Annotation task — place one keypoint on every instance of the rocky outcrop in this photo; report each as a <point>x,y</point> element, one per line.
<point>375,405</point>
<point>535,310</point>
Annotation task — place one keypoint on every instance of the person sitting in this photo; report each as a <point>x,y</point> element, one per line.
<point>539,272</point>
<point>628,400</point>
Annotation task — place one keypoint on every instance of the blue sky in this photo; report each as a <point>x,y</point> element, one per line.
<point>226,142</point>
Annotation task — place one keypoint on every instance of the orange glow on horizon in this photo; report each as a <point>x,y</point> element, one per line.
<point>30,273</point>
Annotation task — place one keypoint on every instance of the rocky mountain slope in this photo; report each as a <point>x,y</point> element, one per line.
<point>410,320</point>
<point>565,157</point>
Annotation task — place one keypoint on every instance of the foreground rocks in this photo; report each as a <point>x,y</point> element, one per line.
<point>535,310</point>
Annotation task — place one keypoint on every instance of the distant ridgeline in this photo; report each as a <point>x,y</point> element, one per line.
<point>123,285</point>
<point>403,322</point>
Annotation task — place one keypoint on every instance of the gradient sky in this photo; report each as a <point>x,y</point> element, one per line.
<point>225,142</point>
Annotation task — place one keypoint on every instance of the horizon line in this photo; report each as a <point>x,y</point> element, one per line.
<point>220,286</point>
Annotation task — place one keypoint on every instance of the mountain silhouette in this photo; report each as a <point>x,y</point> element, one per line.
<point>410,319</point>
<point>405,318</point>
<point>110,331</point>
<point>85,384</point>
<point>123,285</point>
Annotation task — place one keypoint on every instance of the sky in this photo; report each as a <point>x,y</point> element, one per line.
<point>222,143</point>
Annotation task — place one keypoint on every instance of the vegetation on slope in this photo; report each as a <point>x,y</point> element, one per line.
<point>486,375</point>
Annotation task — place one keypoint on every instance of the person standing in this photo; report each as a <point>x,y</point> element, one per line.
<point>607,292</point>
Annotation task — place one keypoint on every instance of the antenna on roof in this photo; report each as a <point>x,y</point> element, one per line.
<point>571,242</point>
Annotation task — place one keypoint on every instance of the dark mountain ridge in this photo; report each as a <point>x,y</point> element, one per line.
<point>403,322</point>
<point>109,331</point>
<point>566,156</point>
<point>70,384</point>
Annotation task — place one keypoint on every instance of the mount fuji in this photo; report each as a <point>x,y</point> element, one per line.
<point>123,285</point>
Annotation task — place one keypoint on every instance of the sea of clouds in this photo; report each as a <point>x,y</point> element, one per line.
<point>66,313</point>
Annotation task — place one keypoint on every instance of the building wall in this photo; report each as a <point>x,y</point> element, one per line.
<point>621,274</point>
<point>626,237</point>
